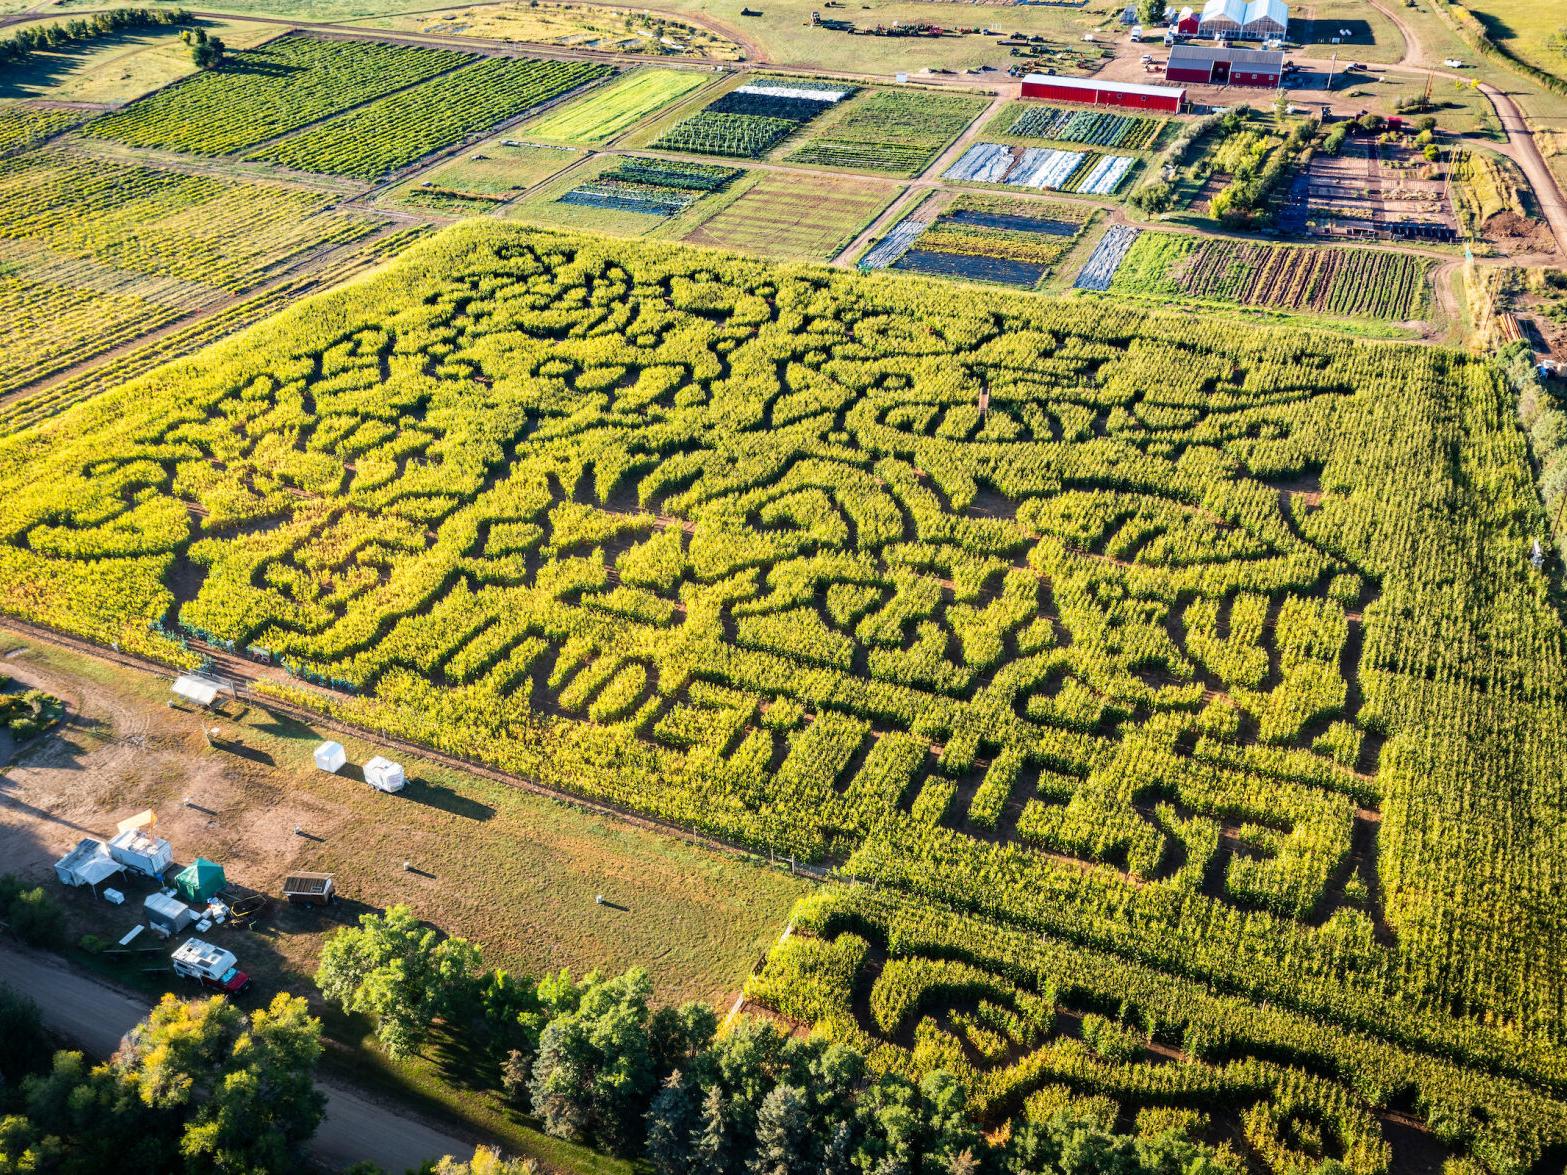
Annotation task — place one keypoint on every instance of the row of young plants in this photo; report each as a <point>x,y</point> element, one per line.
<point>1095,128</point>
<point>658,187</point>
<point>1372,283</point>
<point>751,120</point>
<point>375,140</point>
<point>893,131</point>
<point>23,124</point>
<point>261,93</point>
<point>830,565</point>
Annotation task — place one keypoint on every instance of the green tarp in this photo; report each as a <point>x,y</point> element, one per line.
<point>198,881</point>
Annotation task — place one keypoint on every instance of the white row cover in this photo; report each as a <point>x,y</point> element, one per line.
<point>794,92</point>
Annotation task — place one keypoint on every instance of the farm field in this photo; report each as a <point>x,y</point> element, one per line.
<point>982,238</point>
<point>654,187</point>
<point>1087,173</point>
<point>1031,121</point>
<point>94,254</point>
<point>748,121</point>
<point>265,92</point>
<point>481,179</point>
<point>1188,696</point>
<point>375,140</point>
<point>122,67</point>
<point>23,124</point>
<point>1534,31</point>
<point>552,206</point>
<point>611,109</point>
<point>775,215</point>
<point>1344,282</point>
<point>578,26</point>
<point>899,132</point>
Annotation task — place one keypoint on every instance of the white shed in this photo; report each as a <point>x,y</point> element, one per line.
<point>330,757</point>
<point>142,852</point>
<point>384,775</point>
<point>87,864</point>
<point>167,915</point>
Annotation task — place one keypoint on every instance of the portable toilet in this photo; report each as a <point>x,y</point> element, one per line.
<point>384,775</point>
<point>199,881</point>
<point>330,757</point>
<point>166,915</point>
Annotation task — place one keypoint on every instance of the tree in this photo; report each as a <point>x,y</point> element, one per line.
<point>783,1127</point>
<point>671,1122</point>
<point>594,1075</point>
<point>244,1085</point>
<point>23,1045</point>
<point>399,971</point>
<point>207,52</point>
<point>712,1142</point>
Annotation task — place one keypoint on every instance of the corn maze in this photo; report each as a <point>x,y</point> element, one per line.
<point>1186,708</point>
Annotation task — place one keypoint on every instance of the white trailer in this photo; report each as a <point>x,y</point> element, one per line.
<point>384,775</point>
<point>87,864</point>
<point>142,852</point>
<point>165,915</point>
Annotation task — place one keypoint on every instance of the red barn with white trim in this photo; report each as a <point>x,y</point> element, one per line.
<point>1165,99</point>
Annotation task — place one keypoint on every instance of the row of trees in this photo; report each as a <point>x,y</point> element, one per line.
<point>597,1065</point>
<point>199,1086</point>
<point>38,38</point>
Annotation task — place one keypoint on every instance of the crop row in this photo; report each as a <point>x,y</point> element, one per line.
<point>261,93</point>
<point>1093,128</point>
<point>893,131</point>
<point>1042,167</point>
<point>22,125</point>
<point>750,121</point>
<point>377,139</point>
<point>1351,282</point>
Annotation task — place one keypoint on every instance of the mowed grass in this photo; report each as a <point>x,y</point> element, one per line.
<point>779,215</point>
<point>121,67</point>
<point>1533,30</point>
<point>513,870</point>
<point>607,111</point>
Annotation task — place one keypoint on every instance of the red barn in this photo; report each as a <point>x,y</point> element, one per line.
<point>1203,66</point>
<point>1188,24</point>
<point>1166,99</point>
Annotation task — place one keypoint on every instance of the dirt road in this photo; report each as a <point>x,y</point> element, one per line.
<point>96,1016</point>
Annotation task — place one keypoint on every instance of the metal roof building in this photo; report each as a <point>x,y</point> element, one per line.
<point>1202,65</point>
<point>1166,99</point>
<point>1259,20</point>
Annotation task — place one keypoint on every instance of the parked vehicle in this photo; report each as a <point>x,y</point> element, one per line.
<point>212,967</point>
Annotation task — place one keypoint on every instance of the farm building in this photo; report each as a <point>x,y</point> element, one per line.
<point>1188,23</point>
<point>1259,20</point>
<point>1167,99</point>
<point>1265,20</point>
<point>1224,66</point>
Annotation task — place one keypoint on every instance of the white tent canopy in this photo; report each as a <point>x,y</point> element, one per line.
<point>201,690</point>
<point>87,864</point>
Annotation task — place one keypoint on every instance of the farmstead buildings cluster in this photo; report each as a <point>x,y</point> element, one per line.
<point>1068,555</point>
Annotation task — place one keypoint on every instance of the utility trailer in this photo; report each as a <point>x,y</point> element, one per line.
<point>309,889</point>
